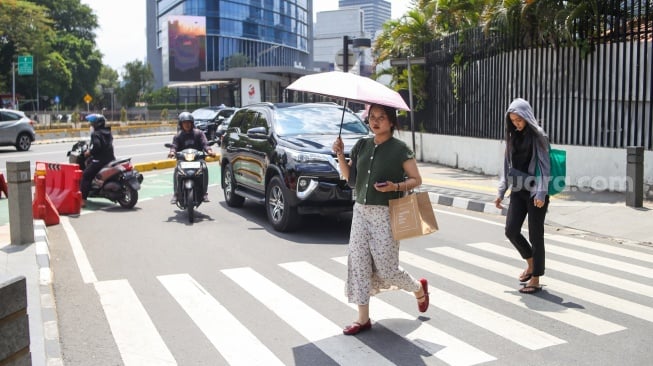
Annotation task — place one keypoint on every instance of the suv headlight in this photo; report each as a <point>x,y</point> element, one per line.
<point>305,157</point>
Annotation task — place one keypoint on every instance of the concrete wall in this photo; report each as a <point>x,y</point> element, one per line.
<point>14,323</point>
<point>587,167</point>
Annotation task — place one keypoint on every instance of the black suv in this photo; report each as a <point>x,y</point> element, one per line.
<point>280,155</point>
<point>207,119</point>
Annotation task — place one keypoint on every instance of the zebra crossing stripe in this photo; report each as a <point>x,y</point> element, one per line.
<point>230,337</point>
<point>601,261</point>
<point>609,249</point>
<point>587,274</point>
<point>138,340</point>
<point>85,269</point>
<point>561,313</point>
<point>508,328</point>
<point>598,298</point>
<point>438,343</point>
<point>312,325</point>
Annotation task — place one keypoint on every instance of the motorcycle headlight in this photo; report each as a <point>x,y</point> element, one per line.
<point>189,156</point>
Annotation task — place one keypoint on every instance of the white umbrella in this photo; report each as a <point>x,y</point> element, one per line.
<point>350,87</point>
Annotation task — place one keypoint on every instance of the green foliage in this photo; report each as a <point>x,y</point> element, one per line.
<point>161,96</point>
<point>60,35</point>
<point>75,117</point>
<point>138,80</point>
<point>123,114</point>
<point>164,114</point>
<point>25,29</point>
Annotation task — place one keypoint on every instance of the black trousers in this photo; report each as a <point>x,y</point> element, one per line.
<point>92,168</point>
<point>521,205</point>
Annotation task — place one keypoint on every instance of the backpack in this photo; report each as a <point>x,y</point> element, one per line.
<point>558,174</point>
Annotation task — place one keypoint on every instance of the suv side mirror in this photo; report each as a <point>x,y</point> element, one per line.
<point>258,133</point>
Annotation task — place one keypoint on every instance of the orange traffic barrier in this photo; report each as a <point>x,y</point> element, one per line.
<point>3,186</point>
<point>62,185</point>
<point>42,206</point>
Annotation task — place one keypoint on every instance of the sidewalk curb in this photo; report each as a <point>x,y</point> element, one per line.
<point>48,306</point>
<point>466,204</point>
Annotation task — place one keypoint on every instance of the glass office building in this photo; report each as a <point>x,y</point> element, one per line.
<point>220,42</point>
<point>375,13</point>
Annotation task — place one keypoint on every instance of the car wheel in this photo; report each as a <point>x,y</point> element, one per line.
<point>229,184</point>
<point>281,215</point>
<point>23,142</point>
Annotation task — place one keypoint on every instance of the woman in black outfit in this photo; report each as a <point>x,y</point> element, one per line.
<point>527,149</point>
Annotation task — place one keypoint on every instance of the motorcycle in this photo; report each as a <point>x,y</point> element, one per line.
<point>118,181</point>
<point>189,175</point>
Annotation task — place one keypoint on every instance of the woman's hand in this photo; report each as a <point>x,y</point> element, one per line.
<point>386,186</point>
<point>338,146</point>
<point>538,203</point>
<point>497,203</point>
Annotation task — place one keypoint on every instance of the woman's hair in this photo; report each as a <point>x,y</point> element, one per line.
<point>390,112</point>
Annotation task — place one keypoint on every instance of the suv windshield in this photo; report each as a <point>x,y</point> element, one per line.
<point>302,120</point>
<point>204,113</point>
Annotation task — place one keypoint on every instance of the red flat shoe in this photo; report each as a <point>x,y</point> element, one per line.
<point>357,327</point>
<point>424,305</point>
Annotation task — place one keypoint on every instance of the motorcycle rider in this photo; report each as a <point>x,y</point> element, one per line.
<point>100,152</point>
<point>190,137</point>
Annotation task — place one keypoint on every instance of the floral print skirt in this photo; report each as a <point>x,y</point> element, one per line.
<point>373,260</point>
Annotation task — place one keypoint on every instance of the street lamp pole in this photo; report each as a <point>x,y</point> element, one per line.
<point>13,85</point>
<point>355,42</point>
<point>408,63</point>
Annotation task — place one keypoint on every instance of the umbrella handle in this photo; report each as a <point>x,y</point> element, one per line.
<point>342,118</point>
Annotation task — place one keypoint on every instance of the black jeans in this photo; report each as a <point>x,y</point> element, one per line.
<point>521,204</point>
<point>93,167</point>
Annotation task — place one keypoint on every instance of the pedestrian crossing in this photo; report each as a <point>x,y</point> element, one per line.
<point>490,320</point>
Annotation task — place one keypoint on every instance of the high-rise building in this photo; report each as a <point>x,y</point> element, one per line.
<point>236,48</point>
<point>375,13</point>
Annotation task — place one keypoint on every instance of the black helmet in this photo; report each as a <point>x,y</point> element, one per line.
<point>96,120</point>
<point>186,116</point>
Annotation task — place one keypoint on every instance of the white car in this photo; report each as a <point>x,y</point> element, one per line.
<point>16,129</point>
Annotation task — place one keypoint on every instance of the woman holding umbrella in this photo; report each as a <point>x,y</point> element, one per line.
<point>381,168</point>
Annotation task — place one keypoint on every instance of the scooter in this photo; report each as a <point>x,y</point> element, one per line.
<point>118,181</point>
<point>189,175</point>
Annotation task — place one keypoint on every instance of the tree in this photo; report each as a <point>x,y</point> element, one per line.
<point>106,87</point>
<point>24,29</point>
<point>407,36</point>
<point>74,24</point>
<point>138,80</point>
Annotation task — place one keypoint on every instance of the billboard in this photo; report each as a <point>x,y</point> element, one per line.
<point>186,56</point>
<point>250,91</point>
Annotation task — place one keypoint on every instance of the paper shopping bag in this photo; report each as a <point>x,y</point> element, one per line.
<point>412,216</point>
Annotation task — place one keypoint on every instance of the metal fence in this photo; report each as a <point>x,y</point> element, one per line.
<point>585,90</point>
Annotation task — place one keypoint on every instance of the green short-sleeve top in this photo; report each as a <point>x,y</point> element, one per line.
<point>381,162</point>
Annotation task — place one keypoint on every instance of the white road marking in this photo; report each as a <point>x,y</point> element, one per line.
<point>85,269</point>
<point>561,313</point>
<point>610,249</point>
<point>137,338</point>
<point>324,334</point>
<point>229,336</point>
<point>578,255</point>
<point>512,330</point>
<point>585,294</point>
<point>438,343</point>
<point>587,274</point>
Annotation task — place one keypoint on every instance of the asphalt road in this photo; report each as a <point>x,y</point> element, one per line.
<point>145,287</point>
<point>141,149</point>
